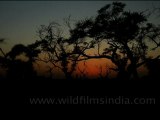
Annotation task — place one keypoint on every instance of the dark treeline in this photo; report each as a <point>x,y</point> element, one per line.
<point>127,36</point>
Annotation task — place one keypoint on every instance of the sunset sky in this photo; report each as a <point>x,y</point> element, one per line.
<point>19,20</point>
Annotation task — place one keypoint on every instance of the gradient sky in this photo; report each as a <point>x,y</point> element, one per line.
<point>19,20</point>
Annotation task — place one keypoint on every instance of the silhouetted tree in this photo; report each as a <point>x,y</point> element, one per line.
<point>57,48</point>
<point>2,55</point>
<point>18,68</point>
<point>1,41</point>
<point>126,34</point>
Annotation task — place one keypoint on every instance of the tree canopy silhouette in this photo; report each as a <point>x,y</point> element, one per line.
<point>18,68</point>
<point>61,54</point>
<point>127,34</point>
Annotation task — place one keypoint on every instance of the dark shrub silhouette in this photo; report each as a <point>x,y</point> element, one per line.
<point>19,69</point>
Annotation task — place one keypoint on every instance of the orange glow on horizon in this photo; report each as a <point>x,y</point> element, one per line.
<point>91,69</point>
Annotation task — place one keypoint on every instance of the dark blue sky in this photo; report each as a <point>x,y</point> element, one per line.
<point>20,20</point>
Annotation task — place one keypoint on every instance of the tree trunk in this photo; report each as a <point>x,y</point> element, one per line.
<point>132,72</point>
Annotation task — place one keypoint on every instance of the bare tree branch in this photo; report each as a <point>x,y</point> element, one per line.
<point>2,52</point>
